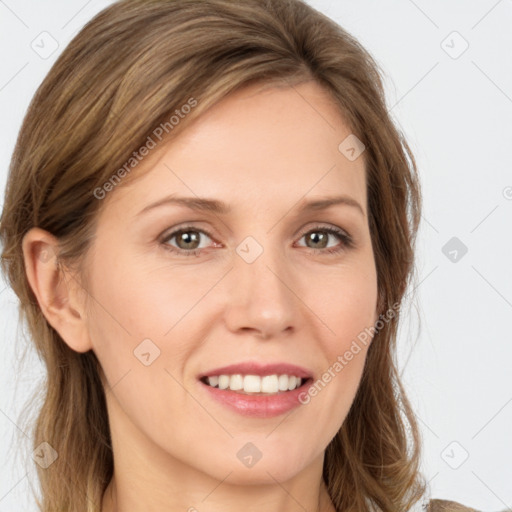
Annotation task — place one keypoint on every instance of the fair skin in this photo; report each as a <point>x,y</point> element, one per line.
<point>263,153</point>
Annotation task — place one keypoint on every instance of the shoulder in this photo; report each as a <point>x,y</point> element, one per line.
<point>448,506</point>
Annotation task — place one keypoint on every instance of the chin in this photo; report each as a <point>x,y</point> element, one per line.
<point>262,474</point>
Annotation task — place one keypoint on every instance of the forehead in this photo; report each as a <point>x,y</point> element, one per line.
<point>259,146</point>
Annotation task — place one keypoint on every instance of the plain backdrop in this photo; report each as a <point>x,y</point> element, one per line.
<point>448,75</point>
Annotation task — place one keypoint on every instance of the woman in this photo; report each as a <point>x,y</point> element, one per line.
<point>259,373</point>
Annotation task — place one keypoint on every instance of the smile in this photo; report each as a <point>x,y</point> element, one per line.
<point>254,384</point>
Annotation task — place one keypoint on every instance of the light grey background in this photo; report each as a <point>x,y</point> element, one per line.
<point>456,111</point>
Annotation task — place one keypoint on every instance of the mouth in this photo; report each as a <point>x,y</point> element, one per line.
<point>256,390</point>
<point>266,385</point>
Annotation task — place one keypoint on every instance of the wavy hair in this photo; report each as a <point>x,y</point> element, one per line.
<point>125,73</point>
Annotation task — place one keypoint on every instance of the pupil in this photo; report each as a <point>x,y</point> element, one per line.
<point>322,237</point>
<point>189,239</point>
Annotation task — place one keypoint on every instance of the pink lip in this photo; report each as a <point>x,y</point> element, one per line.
<point>253,368</point>
<point>259,406</point>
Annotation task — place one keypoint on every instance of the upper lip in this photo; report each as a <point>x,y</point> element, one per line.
<point>254,368</point>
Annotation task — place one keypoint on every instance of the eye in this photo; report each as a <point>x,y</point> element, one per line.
<point>319,236</point>
<point>188,240</point>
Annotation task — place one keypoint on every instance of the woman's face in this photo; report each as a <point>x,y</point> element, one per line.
<point>261,281</point>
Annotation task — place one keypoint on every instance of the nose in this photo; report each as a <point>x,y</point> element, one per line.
<point>261,299</point>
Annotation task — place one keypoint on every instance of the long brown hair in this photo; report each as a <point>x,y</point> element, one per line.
<point>126,73</point>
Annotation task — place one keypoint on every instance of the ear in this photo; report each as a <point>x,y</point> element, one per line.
<point>59,294</point>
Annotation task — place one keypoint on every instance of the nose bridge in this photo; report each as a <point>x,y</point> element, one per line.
<point>261,297</point>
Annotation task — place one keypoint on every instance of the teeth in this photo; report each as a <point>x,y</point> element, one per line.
<point>283,382</point>
<point>213,381</point>
<point>223,381</point>
<point>236,382</point>
<point>268,384</point>
<point>252,384</point>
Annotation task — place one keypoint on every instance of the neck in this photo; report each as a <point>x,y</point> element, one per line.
<point>110,502</point>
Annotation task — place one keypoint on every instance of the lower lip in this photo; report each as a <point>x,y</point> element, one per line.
<point>259,406</point>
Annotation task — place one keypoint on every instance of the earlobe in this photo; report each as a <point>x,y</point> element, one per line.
<point>57,292</point>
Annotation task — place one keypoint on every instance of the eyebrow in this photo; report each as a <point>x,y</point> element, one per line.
<point>219,207</point>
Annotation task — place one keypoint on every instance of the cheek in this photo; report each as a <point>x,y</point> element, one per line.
<point>138,326</point>
<point>136,301</point>
<point>347,308</point>
<point>145,322</point>
<point>346,302</point>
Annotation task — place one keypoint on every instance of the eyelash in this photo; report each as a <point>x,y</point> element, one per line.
<point>347,241</point>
